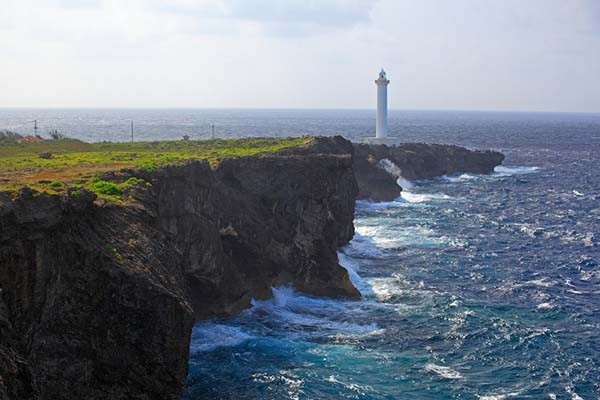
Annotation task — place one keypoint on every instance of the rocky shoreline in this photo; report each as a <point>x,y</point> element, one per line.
<point>98,300</point>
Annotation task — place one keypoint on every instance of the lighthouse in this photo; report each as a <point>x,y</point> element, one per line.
<point>381,124</point>
<point>381,128</point>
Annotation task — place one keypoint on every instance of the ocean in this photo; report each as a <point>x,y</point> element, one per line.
<point>474,286</point>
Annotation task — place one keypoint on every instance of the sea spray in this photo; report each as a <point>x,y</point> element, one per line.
<point>406,185</point>
<point>396,172</point>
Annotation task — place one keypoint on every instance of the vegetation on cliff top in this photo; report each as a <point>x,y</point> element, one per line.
<point>53,164</point>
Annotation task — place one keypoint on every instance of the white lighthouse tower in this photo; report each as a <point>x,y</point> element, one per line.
<point>381,127</point>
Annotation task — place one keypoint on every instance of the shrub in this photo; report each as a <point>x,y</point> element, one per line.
<point>133,181</point>
<point>55,184</point>
<point>108,188</point>
<point>149,167</point>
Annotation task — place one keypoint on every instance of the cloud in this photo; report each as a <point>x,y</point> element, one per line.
<point>289,17</point>
<point>465,54</point>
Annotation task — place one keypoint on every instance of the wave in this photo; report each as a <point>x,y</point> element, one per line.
<point>499,396</point>
<point>423,197</point>
<point>369,205</point>
<point>406,198</point>
<point>288,315</point>
<point>293,315</point>
<point>444,372</point>
<point>574,396</point>
<point>499,172</point>
<point>502,171</point>
<point>361,390</point>
<point>352,267</point>
<point>414,236</point>
<point>543,282</point>
<point>460,178</point>
<point>208,336</point>
<point>546,306</point>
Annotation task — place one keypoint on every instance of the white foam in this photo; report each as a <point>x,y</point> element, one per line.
<point>545,306</point>
<point>589,275</point>
<point>300,315</point>
<point>208,336</point>
<point>499,396</point>
<point>360,389</point>
<point>444,372</point>
<point>530,230</point>
<point>576,193</point>
<point>351,265</point>
<point>405,184</point>
<point>501,170</point>
<point>575,291</point>
<point>380,205</point>
<point>385,288</point>
<point>460,178</point>
<point>543,282</point>
<point>574,395</point>
<point>407,236</point>
<point>423,197</point>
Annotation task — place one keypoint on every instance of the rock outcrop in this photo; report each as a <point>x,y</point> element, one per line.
<point>98,300</point>
<point>415,161</point>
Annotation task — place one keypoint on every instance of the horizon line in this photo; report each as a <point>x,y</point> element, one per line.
<point>300,109</point>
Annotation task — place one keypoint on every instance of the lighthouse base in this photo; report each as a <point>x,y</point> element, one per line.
<point>388,141</point>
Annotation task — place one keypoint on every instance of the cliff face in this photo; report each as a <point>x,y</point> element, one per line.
<point>95,300</point>
<point>98,300</point>
<point>256,223</point>
<point>415,161</point>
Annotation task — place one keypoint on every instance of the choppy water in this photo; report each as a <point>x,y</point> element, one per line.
<point>475,287</point>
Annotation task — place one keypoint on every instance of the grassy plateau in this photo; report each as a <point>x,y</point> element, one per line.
<point>53,165</point>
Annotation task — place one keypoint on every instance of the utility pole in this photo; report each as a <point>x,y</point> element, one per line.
<point>35,128</point>
<point>213,130</point>
<point>131,131</point>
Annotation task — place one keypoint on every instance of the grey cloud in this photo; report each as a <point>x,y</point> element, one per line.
<point>287,17</point>
<point>324,12</point>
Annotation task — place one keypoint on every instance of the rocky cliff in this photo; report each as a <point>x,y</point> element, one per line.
<point>414,161</point>
<point>98,299</point>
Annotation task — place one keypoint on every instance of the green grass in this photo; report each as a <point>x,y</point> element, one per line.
<point>77,163</point>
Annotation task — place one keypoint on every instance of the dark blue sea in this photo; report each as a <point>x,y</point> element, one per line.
<point>474,286</point>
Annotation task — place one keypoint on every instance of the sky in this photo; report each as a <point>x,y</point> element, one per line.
<point>522,55</point>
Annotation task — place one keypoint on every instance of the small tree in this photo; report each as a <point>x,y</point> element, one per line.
<point>56,135</point>
<point>8,135</point>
